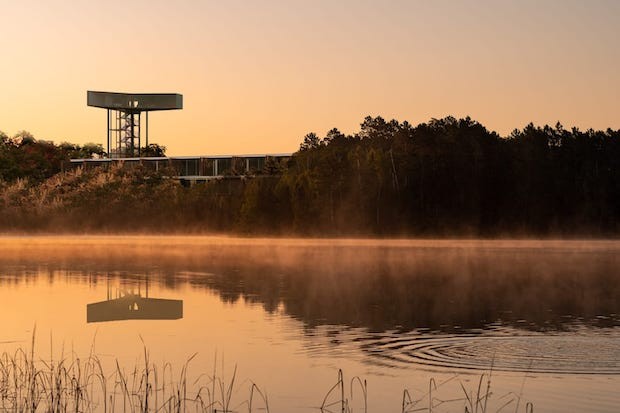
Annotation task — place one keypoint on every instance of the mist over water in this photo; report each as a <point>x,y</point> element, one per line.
<point>396,311</point>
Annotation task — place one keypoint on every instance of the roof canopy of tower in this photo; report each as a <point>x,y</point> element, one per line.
<point>135,102</point>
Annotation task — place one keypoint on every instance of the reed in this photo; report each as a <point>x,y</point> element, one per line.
<point>73,384</point>
<point>482,400</point>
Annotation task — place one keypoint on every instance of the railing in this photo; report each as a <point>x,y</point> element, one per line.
<point>196,167</point>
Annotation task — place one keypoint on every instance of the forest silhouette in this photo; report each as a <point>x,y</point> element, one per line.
<point>445,177</point>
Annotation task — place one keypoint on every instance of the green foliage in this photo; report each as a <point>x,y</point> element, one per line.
<point>87,151</point>
<point>153,150</point>
<point>24,157</point>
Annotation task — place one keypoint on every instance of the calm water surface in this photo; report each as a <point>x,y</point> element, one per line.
<point>543,317</point>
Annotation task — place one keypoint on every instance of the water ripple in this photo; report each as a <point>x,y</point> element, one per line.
<point>537,353</point>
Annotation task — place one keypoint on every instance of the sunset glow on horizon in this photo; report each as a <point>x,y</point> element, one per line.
<point>257,76</point>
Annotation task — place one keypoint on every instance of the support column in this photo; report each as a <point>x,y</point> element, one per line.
<point>147,128</point>
<point>108,134</point>
<point>133,134</point>
<point>139,136</point>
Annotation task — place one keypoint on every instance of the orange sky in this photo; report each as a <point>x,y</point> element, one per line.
<point>258,75</point>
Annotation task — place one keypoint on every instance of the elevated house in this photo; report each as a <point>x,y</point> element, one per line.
<point>125,133</point>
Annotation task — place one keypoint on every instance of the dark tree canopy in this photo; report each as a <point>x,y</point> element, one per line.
<point>153,150</point>
<point>24,156</point>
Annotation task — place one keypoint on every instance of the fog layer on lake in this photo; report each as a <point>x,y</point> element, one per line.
<point>542,316</point>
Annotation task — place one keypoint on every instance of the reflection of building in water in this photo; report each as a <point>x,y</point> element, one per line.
<point>131,305</point>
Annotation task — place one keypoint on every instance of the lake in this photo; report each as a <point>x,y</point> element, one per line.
<point>541,319</point>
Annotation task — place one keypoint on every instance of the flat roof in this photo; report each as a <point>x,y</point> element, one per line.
<point>136,102</point>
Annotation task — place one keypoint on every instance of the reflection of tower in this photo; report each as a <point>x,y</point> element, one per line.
<point>127,303</point>
<point>124,113</point>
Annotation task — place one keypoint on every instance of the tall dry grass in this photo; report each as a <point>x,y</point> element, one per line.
<point>352,396</point>
<point>73,384</point>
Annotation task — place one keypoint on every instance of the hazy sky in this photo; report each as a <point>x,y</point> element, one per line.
<point>258,75</point>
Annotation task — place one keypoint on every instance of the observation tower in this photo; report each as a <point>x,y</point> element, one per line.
<point>124,129</point>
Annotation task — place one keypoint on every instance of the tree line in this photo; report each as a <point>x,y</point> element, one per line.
<point>445,177</point>
<point>24,157</point>
<point>455,176</point>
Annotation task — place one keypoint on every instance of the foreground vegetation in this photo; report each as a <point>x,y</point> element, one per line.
<point>83,385</point>
<point>444,177</point>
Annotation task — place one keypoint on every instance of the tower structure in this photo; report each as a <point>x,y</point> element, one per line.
<point>124,110</point>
